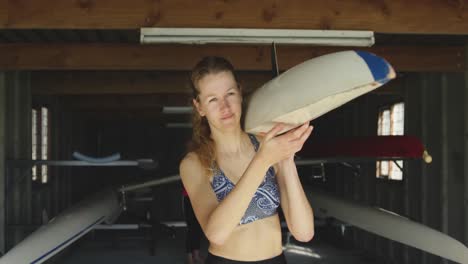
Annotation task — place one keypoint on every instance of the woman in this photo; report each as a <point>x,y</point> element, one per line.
<point>241,223</point>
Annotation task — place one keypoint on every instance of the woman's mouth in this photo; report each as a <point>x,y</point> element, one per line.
<point>227,116</point>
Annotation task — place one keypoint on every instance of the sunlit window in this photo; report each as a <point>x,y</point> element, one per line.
<point>40,142</point>
<point>44,142</point>
<point>34,143</point>
<point>391,123</point>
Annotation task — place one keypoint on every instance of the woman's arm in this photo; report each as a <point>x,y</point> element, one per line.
<point>297,210</point>
<point>219,220</point>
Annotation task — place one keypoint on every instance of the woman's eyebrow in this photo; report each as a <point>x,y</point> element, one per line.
<point>213,94</point>
<point>209,95</point>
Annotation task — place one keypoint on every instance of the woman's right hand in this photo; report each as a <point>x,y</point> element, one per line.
<point>274,148</point>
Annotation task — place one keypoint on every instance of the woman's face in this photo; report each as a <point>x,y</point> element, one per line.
<point>220,100</point>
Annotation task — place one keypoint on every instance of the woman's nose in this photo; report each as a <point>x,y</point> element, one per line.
<point>224,104</point>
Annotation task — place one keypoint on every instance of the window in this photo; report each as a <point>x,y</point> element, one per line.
<point>40,142</point>
<point>391,123</point>
<point>34,143</point>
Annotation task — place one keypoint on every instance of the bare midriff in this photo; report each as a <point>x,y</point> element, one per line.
<point>257,240</point>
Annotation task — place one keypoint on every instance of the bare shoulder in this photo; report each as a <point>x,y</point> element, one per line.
<point>191,159</point>
<point>191,170</point>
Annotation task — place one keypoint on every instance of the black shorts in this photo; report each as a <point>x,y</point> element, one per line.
<point>212,259</point>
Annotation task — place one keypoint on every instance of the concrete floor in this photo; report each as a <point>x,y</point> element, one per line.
<point>119,247</point>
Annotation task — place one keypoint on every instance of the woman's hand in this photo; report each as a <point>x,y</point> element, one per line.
<point>274,148</point>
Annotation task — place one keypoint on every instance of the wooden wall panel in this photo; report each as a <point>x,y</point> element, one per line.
<point>399,16</point>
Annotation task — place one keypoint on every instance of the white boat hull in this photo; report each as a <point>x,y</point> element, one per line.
<point>388,225</point>
<point>314,88</point>
<point>64,229</point>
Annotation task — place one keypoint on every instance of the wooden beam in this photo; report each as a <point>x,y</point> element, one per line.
<point>125,106</point>
<point>109,83</point>
<point>143,89</point>
<point>402,58</point>
<point>113,102</point>
<point>398,16</point>
<point>126,82</point>
<point>126,56</point>
<point>184,57</point>
<point>133,115</point>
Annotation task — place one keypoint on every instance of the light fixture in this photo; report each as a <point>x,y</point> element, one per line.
<point>177,109</point>
<point>179,125</point>
<point>257,36</point>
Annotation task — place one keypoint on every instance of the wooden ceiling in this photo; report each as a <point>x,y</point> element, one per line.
<point>428,35</point>
<point>64,43</point>
<point>182,57</point>
<point>397,16</point>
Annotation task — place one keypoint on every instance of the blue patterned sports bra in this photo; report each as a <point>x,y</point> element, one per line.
<point>266,199</point>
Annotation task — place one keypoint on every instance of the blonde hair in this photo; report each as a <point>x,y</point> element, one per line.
<point>202,144</point>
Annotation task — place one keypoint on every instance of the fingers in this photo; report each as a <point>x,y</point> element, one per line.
<point>306,134</point>
<point>297,132</point>
<point>281,147</point>
<point>296,138</point>
<point>274,131</point>
<point>299,142</point>
<point>301,130</point>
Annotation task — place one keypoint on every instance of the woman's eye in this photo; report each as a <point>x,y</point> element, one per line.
<point>231,93</point>
<point>212,100</point>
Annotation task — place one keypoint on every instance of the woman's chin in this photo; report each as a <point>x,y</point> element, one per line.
<point>231,122</point>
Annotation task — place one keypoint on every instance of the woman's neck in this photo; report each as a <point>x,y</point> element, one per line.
<point>230,142</point>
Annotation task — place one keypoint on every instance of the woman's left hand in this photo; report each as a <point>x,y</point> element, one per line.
<point>299,135</point>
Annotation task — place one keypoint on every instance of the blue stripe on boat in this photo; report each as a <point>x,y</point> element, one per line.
<point>378,66</point>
